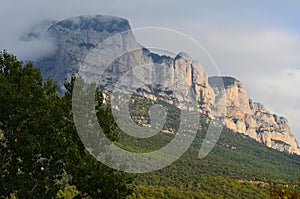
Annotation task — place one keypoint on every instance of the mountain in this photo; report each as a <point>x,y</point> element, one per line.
<point>77,37</point>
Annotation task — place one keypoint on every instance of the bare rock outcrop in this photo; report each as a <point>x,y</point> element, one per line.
<point>252,119</point>
<point>74,38</point>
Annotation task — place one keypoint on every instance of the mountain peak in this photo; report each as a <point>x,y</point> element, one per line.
<point>74,38</point>
<point>97,23</point>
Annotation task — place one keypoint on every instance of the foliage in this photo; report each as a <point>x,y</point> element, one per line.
<point>67,190</point>
<point>39,147</point>
<point>283,193</point>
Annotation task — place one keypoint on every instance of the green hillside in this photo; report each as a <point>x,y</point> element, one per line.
<point>237,167</point>
<point>226,172</point>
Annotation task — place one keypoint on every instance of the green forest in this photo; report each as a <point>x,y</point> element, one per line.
<point>42,155</point>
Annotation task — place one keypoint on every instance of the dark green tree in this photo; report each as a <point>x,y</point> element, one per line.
<point>41,154</point>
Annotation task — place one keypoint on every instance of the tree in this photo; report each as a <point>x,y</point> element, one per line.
<point>39,145</point>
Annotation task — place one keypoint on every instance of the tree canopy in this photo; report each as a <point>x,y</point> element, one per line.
<point>41,153</point>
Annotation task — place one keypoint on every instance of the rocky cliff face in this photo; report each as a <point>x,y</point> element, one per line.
<point>76,37</point>
<point>252,119</point>
<point>178,81</point>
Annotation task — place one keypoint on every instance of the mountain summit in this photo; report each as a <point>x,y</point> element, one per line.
<point>75,37</point>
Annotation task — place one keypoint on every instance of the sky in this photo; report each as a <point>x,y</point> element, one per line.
<point>257,42</point>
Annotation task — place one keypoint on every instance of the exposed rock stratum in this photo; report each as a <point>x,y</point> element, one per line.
<point>75,37</point>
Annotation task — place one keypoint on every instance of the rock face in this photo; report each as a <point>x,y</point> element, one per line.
<point>74,38</point>
<point>77,37</point>
<point>252,119</point>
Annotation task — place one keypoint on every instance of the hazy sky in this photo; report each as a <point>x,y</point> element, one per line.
<point>258,42</point>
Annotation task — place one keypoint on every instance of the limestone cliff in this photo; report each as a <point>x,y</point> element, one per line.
<point>166,71</point>
<point>76,37</point>
<point>252,119</point>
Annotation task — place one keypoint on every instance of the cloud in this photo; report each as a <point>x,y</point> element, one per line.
<point>255,51</point>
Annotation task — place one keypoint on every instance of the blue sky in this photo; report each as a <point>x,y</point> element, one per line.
<point>258,42</point>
